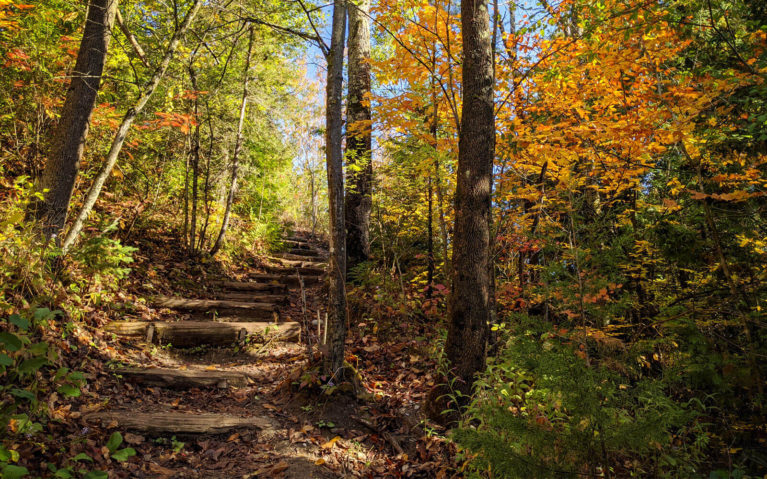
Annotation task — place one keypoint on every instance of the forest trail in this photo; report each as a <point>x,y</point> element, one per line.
<point>213,404</point>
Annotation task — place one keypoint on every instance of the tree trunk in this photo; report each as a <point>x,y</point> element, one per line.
<point>68,141</point>
<point>237,148</point>
<point>122,130</point>
<point>195,163</point>
<point>470,303</point>
<point>334,360</point>
<point>358,136</point>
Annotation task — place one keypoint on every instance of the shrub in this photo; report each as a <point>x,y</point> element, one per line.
<point>543,409</point>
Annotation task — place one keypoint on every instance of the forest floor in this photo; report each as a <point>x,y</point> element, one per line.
<point>294,427</point>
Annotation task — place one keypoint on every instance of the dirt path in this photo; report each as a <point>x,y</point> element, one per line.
<point>202,393</point>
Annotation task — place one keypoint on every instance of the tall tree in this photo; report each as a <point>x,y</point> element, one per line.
<point>470,303</point>
<point>237,148</point>
<point>359,172</point>
<point>68,143</point>
<point>334,360</point>
<point>122,131</point>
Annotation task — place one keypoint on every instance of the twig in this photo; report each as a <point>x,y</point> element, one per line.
<point>386,435</point>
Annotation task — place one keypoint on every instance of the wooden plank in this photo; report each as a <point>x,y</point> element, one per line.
<point>290,279</point>
<point>274,287</point>
<point>297,263</point>
<point>183,378</point>
<point>184,334</point>
<point>132,329</point>
<point>254,296</point>
<point>195,333</point>
<point>304,252</point>
<point>219,307</point>
<point>292,271</point>
<point>298,257</point>
<point>177,422</point>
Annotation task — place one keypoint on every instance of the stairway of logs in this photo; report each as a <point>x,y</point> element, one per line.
<point>239,312</point>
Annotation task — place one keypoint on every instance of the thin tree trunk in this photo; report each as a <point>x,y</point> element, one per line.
<point>358,136</point>
<point>186,190</point>
<point>334,360</point>
<point>122,130</point>
<point>429,241</point>
<point>68,142</point>
<point>195,163</point>
<point>437,180</point>
<point>237,148</point>
<point>470,303</point>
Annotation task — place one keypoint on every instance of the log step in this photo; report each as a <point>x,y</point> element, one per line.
<point>297,244</point>
<point>183,378</point>
<point>246,296</point>
<point>289,278</point>
<point>275,287</point>
<point>304,252</point>
<point>299,257</point>
<point>220,307</point>
<point>178,422</point>
<point>281,270</point>
<point>296,263</point>
<point>185,334</point>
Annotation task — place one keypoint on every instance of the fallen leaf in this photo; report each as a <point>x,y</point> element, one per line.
<point>329,444</point>
<point>133,439</point>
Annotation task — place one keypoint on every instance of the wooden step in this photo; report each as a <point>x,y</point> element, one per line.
<point>184,378</point>
<point>273,287</point>
<point>296,263</point>
<point>178,422</point>
<point>185,334</point>
<point>289,278</point>
<point>298,257</point>
<point>286,270</point>
<point>297,244</point>
<point>304,252</point>
<point>219,307</point>
<point>256,297</point>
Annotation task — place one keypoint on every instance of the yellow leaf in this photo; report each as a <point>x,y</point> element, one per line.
<point>329,444</point>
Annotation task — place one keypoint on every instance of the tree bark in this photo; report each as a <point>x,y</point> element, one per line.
<point>237,148</point>
<point>359,163</point>
<point>470,303</point>
<point>127,122</point>
<point>69,137</point>
<point>334,359</point>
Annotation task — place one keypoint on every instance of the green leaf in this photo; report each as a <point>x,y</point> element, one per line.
<point>114,441</point>
<point>65,473</point>
<point>39,348</point>
<point>21,323</point>
<point>29,366</point>
<point>13,472</point>
<point>69,390</point>
<point>96,475</point>
<point>123,454</point>
<point>44,314</point>
<point>5,360</point>
<point>82,457</point>
<point>22,394</point>
<point>11,341</point>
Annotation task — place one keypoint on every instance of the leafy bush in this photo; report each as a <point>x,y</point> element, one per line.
<point>28,376</point>
<point>544,409</point>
